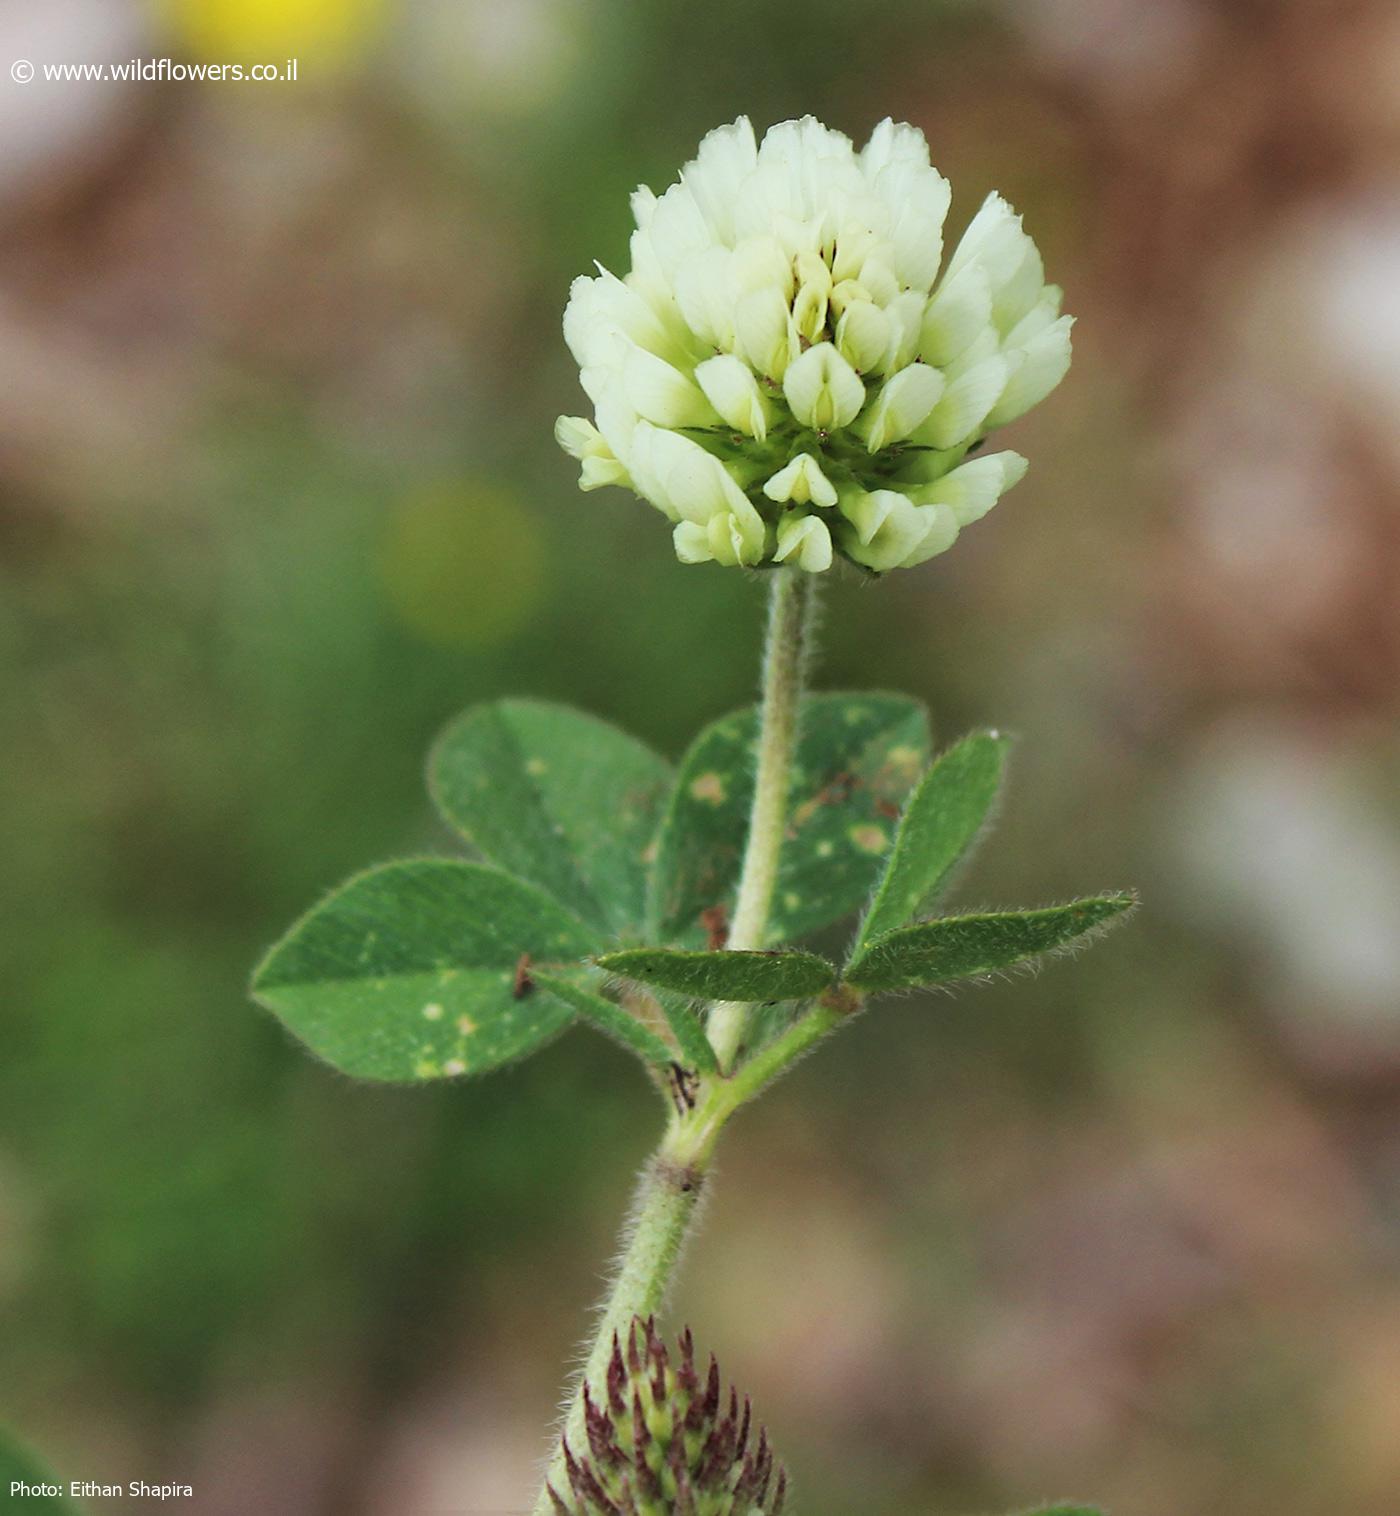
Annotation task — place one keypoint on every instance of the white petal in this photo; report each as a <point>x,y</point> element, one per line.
<point>662,394</point>
<point>763,332</point>
<point>986,344</point>
<point>700,490</point>
<point>705,294</point>
<point>677,229</point>
<point>603,316</point>
<point>727,156</point>
<point>731,388</point>
<point>579,437</point>
<point>692,543</point>
<point>960,310</point>
<point>1046,362</point>
<point>867,511</point>
<point>855,242</point>
<point>652,457</point>
<point>919,199</point>
<point>597,472</point>
<point>960,414</point>
<point>994,239</point>
<point>735,539</point>
<point>822,389</point>
<point>864,336</point>
<point>893,142</point>
<point>814,290</point>
<point>1045,310</point>
<point>901,527</point>
<point>940,534</point>
<point>806,541</point>
<point>878,277</point>
<point>974,487</point>
<point>1018,295</point>
<point>614,414</point>
<point>760,262</point>
<point>848,292</point>
<point>810,157</point>
<point>906,313</point>
<point>698,486</point>
<point>902,405</point>
<point>803,482</point>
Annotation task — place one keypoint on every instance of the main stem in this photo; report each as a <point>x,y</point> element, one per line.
<point>671,1185</point>
<point>784,659</point>
<point>652,1241</point>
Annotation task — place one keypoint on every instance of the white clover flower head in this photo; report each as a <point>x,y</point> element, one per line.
<point>789,371</point>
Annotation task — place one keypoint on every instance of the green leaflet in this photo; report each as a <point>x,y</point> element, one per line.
<point>556,797</point>
<point>724,975</point>
<point>858,756</point>
<point>940,825</point>
<point>18,1463</point>
<point>957,947</point>
<point>688,1030</point>
<point>409,971</point>
<point>613,1020</point>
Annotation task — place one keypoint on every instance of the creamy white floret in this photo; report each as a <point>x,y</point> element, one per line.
<point>789,369</point>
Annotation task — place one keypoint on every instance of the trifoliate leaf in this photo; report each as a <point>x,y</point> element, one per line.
<point>613,1020</point>
<point>858,756</point>
<point>421,970</point>
<point>941,823</point>
<point>958,947</point>
<point>556,797</point>
<point>725,975</point>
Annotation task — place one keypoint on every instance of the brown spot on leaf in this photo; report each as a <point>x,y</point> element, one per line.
<point>708,788</point>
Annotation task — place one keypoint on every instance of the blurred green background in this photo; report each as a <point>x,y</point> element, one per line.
<point>278,368</point>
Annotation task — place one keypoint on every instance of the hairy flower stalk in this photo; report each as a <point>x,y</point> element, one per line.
<point>790,372</point>
<point>784,658</point>
<point>670,1190</point>
<point>662,1439</point>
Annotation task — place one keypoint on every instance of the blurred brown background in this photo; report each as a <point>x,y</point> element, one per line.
<point>278,367</point>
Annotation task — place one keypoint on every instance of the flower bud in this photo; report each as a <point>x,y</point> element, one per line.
<point>806,541</point>
<point>663,1438</point>
<point>801,482</point>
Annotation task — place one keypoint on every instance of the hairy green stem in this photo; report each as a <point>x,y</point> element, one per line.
<point>661,1217</point>
<point>784,658</point>
<point>669,1194</point>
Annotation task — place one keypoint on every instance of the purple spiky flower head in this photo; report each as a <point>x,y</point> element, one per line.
<point>664,1440</point>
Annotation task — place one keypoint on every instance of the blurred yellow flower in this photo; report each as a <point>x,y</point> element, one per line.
<point>463,565</point>
<point>267,31</point>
